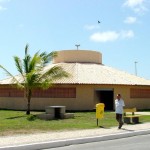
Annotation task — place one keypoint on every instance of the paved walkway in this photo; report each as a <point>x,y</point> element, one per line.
<point>16,140</point>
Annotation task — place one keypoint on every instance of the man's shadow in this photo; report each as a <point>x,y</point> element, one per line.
<point>127,129</point>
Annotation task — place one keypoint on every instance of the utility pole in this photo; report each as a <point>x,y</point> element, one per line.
<point>135,67</point>
<point>77,45</point>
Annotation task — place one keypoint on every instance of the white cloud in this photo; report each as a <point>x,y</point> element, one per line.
<point>127,34</point>
<point>133,3</point>
<point>2,2</point>
<point>91,27</point>
<point>110,36</point>
<point>2,8</point>
<point>105,36</point>
<point>130,20</point>
<point>137,6</point>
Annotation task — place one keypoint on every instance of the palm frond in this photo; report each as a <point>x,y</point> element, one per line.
<point>14,79</point>
<point>47,58</point>
<point>54,73</point>
<point>18,63</point>
<point>46,84</point>
<point>32,78</point>
<point>26,49</point>
<point>26,62</point>
<point>35,63</point>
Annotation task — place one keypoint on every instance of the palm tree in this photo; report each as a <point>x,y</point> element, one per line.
<point>32,74</point>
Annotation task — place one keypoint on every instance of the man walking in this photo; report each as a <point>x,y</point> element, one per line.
<point>119,104</point>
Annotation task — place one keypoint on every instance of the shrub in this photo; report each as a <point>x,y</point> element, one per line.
<point>31,117</point>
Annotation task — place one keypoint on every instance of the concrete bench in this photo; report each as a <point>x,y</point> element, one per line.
<point>55,112</point>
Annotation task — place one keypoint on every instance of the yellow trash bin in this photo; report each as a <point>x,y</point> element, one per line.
<point>99,111</point>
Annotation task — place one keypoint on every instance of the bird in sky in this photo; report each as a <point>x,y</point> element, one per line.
<point>99,21</point>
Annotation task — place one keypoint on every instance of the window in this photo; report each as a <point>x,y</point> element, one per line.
<point>140,93</point>
<point>49,93</point>
<point>11,92</point>
<point>55,93</point>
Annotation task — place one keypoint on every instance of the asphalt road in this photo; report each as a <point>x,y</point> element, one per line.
<point>141,142</point>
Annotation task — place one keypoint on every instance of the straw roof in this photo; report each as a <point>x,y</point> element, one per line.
<point>92,73</point>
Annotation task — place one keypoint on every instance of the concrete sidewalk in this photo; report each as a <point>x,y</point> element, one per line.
<point>62,138</point>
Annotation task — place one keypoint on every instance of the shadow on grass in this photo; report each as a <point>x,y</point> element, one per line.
<point>16,117</point>
<point>103,127</point>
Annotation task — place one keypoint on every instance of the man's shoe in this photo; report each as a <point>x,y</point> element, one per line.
<point>120,126</point>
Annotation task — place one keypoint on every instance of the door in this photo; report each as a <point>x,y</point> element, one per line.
<point>106,97</point>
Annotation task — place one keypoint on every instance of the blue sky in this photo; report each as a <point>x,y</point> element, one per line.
<point>123,36</point>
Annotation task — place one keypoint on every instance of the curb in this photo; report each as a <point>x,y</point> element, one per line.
<point>67,142</point>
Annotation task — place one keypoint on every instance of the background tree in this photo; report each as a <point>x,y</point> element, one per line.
<point>34,73</point>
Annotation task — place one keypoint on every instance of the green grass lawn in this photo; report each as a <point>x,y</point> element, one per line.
<point>16,122</point>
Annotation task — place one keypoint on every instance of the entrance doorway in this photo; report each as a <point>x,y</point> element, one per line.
<point>106,96</point>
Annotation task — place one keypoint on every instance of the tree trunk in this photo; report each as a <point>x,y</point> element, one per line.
<point>28,102</point>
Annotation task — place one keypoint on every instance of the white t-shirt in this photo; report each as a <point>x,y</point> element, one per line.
<point>119,104</point>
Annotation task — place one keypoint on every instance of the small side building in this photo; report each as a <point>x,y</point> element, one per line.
<point>91,82</point>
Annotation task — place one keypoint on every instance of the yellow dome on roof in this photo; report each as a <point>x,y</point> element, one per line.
<point>79,56</point>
